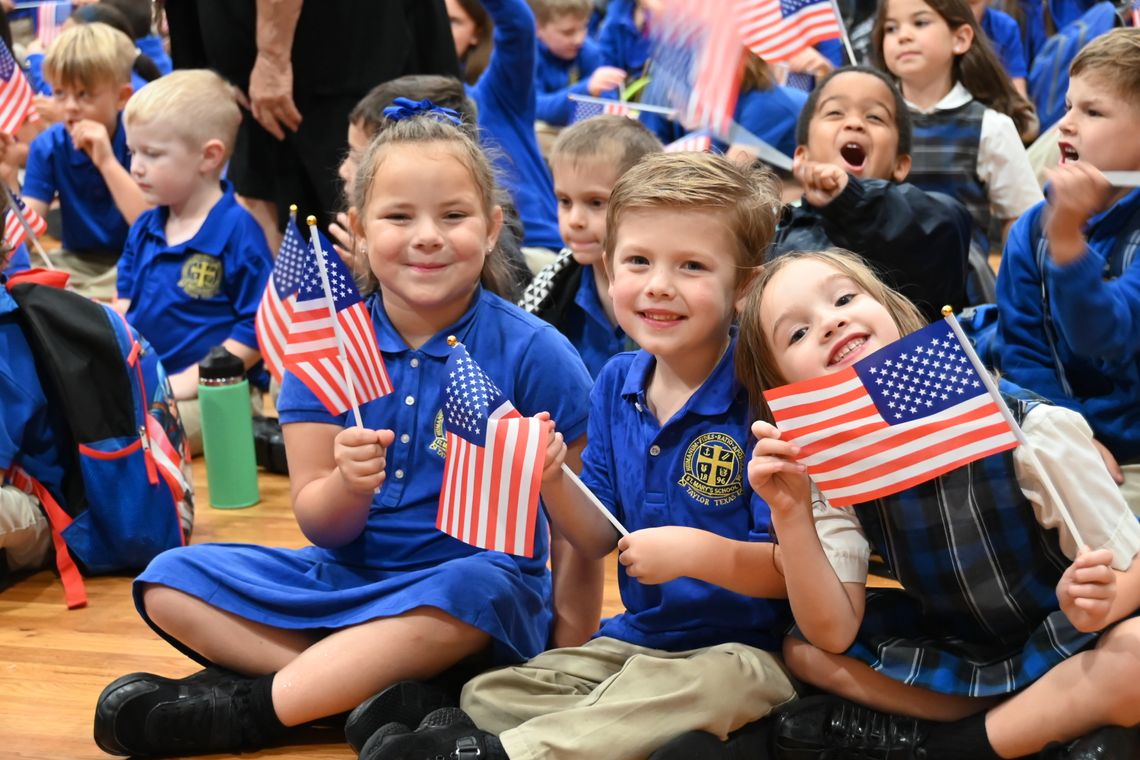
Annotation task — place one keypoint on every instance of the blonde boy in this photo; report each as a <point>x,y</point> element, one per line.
<point>82,160</point>
<point>193,268</point>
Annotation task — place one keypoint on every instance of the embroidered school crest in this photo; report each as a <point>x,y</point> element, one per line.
<point>201,276</point>
<point>714,469</point>
<point>439,445</point>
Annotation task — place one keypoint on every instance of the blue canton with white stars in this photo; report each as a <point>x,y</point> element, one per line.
<point>292,260</point>
<point>923,374</point>
<point>788,7</point>
<point>469,397</point>
<point>7,63</point>
<point>344,292</point>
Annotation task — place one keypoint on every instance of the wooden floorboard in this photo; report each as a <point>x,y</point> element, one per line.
<point>55,661</point>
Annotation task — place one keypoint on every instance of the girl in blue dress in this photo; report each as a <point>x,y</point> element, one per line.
<point>1006,635</point>
<point>289,636</point>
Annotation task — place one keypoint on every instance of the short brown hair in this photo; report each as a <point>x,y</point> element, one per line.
<point>1115,58</point>
<point>90,55</point>
<point>755,359</point>
<point>747,196</point>
<point>615,139</point>
<point>546,11</point>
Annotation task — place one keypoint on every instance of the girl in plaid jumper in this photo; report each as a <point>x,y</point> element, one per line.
<point>1006,635</point>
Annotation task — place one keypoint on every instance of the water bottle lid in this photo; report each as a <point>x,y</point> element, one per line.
<point>220,364</point>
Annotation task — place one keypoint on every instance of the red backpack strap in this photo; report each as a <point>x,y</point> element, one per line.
<point>73,589</point>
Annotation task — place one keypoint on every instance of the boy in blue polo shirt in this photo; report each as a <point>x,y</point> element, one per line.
<point>194,268</point>
<point>665,454</point>
<point>568,62</point>
<point>83,159</point>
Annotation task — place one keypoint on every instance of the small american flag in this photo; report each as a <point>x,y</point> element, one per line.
<point>14,232</point>
<point>15,93</point>
<point>494,463</point>
<point>588,109</point>
<point>905,414</point>
<point>297,331</point>
<point>776,30</point>
<point>49,20</point>
<point>694,142</point>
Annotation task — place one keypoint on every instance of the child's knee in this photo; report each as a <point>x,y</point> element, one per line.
<point>1121,649</point>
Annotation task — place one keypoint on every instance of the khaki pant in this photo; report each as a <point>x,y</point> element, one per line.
<point>1131,487</point>
<point>614,700</point>
<point>93,277</point>
<point>25,535</point>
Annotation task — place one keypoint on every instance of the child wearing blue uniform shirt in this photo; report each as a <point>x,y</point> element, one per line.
<point>140,15</point>
<point>194,268</point>
<point>568,62</point>
<point>624,36</point>
<point>668,426</point>
<point>383,595</point>
<point>766,109</point>
<point>1010,630</point>
<point>83,159</point>
<point>573,292</point>
<point>1069,287</point>
<point>1004,36</point>
<point>853,156</point>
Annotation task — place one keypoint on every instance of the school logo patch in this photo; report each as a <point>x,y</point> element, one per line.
<point>714,469</point>
<point>201,276</point>
<point>439,445</point>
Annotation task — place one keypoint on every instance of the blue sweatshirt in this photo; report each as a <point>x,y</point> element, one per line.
<point>1093,315</point>
<point>506,101</point>
<point>621,43</point>
<point>555,78</point>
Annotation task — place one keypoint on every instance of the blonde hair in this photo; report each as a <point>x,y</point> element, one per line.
<point>614,140</point>
<point>746,197</point>
<point>756,366</point>
<point>1113,57</point>
<point>196,104</point>
<point>422,131</point>
<point>90,55</point>
<point>546,11</point>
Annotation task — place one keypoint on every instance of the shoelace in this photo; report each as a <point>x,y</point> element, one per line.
<point>859,733</point>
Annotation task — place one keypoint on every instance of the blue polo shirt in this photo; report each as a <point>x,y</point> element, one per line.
<point>29,431</point>
<point>189,297</point>
<point>589,329</point>
<point>91,220</point>
<point>688,472</point>
<point>534,366</point>
<point>1005,36</point>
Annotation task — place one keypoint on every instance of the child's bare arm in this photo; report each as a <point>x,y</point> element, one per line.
<point>577,579</point>
<point>91,137</point>
<point>334,473</point>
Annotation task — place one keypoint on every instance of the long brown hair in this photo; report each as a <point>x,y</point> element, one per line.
<point>756,366</point>
<point>477,57</point>
<point>978,69</point>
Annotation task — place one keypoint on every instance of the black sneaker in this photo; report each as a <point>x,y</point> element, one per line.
<point>831,727</point>
<point>144,715</point>
<point>444,733</point>
<point>1106,743</point>
<point>269,444</point>
<point>406,702</point>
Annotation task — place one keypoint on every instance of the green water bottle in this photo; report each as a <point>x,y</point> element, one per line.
<point>227,430</point>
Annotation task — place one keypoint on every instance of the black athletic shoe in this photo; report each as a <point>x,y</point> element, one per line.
<point>445,733</point>
<point>830,727</point>
<point>406,702</point>
<point>1107,743</point>
<point>146,715</point>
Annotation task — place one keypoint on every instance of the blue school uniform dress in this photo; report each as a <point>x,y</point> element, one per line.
<point>401,561</point>
<point>30,433</point>
<point>505,96</point>
<point>91,220</point>
<point>688,472</point>
<point>971,621</point>
<point>189,297</point>
<point>1072,333</point>
<point>1005,36</point>
<point>555,78</point>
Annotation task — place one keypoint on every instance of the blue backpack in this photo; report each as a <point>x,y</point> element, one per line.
<point>1049,75</point>
<point>127,492</point>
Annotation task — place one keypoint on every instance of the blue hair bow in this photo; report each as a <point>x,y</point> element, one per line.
<point>405,108</point>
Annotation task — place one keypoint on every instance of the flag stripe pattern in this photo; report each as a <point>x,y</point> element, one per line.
<point>15,93</point>
<point>14,234</point>
<point>493,467</point>
<point>297,331</point>
<point>776,30</point>
<point>903,415</point>
<point>694,142</point>
<point>588,109</point>
<point>49,20</point>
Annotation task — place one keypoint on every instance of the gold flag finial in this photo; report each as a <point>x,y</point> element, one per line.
<point>452,341</point>
<point>947,311</point>
<point>292,209</point>
<point>311,220</point>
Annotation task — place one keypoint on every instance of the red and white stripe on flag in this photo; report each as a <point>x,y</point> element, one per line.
<point>14,234</point>
<point>695,143</point>
<point>15,93</point>
<point>777,30</point>
<point>904,415</point>
<point>490,494</point>
<point>272,325</point>
<point>716,85</point>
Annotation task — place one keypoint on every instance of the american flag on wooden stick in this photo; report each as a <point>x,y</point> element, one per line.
<point>15,234</point>
<point>777,30</point>
<point>15,93</point>
<point>494,462</point>
<point>905,414</point>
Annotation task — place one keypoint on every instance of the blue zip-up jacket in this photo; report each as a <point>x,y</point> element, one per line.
<point>555,78</point>
<point>1072,333</point>
<point>505,97</point>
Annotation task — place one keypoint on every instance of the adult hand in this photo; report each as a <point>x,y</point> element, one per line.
<point>271,95</point>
